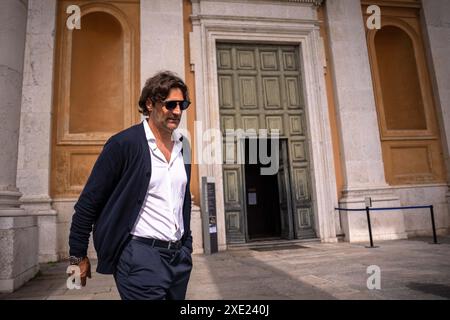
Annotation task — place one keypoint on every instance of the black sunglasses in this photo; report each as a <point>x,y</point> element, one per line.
<point>172,104</point>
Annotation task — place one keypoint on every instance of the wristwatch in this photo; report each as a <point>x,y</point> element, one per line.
<point>75,260</point>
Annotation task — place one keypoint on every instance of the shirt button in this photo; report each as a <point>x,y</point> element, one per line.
<point>139,201</point>
<point>147,174</point>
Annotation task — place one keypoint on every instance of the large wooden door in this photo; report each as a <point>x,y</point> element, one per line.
<point>260,87</point>
<point>96,87</point>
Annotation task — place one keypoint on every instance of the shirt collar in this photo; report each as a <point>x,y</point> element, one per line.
<point>176,135</point>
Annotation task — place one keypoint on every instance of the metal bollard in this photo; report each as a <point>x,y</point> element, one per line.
<point>370,228</point>
<point>433,225</point>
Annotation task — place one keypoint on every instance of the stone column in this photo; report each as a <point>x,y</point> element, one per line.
<point>33,170</point>
<point>436,21</point>
<point>360,139</point>
<point>18,232</point>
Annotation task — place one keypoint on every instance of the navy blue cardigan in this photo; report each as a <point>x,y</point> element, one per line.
<point>113,196</point>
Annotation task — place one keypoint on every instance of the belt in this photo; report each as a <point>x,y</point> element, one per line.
<point>159,243</point>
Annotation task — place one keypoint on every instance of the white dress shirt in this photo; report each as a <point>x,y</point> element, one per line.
<point>161,215</point>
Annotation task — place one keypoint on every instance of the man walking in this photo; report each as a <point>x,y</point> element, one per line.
<point>138,201</point>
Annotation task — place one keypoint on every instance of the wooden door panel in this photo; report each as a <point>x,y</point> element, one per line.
<point>409,131</point>
<point>96,87</point>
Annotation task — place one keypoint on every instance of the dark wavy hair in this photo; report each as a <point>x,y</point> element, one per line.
<point>157,89</point>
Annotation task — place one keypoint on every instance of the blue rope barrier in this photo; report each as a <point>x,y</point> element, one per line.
<point>345,209</point>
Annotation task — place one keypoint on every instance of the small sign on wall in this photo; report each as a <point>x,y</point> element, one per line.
<point>252,198</point>
<point>209,217</point>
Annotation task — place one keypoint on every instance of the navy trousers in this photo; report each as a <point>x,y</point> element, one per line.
<point>151,273</point>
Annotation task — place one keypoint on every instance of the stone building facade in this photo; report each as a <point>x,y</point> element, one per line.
<point>361,112</point>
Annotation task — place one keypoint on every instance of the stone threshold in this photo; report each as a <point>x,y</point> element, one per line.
<point>270,243</point>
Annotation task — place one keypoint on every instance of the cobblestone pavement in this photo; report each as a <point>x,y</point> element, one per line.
<point>409,269</point>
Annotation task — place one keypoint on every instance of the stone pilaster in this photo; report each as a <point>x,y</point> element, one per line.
<point>360,139</point>
<point>436,25</point>
<point>196,228</point>
<point>162,39</point>
<point>18,232</point>
<point>33,170</point>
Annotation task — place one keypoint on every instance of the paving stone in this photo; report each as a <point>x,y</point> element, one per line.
<point>410,269</point>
